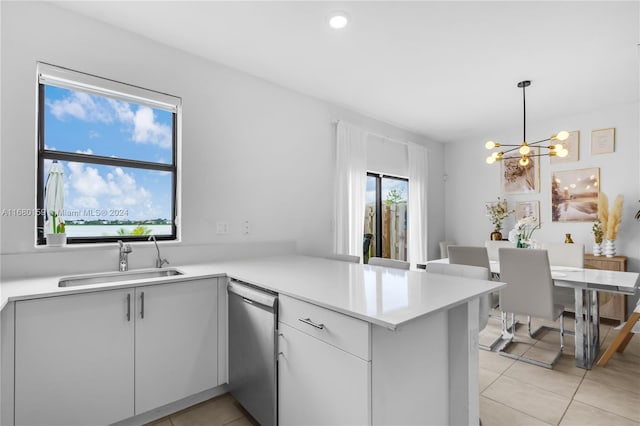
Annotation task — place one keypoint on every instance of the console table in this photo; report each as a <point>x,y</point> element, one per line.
<point>611,305</point>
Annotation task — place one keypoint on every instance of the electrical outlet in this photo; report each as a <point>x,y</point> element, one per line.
<point>222,228</point>
<point>245,227</point>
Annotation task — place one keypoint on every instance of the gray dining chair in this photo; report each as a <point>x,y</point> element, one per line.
<point>529,291</point>
<point>389,263</point>
<point>470,255</point>
<point>475,272</point>
<point>492,247</point>
<point>444,245</point>
<point>344,257</point>
<point>570,255</point>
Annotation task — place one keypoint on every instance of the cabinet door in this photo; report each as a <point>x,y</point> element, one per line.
<point>74,359</point>
<point>320,383</point>
<point>176,341</point>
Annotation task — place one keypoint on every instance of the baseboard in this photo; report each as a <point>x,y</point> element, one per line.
<point>165,410</point>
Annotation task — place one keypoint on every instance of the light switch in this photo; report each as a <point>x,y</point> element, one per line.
<point>222,228</point>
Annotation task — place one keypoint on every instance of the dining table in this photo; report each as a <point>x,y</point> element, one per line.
<point>586,283</point>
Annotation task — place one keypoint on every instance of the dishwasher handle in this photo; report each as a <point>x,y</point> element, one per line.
<point>252,294</point>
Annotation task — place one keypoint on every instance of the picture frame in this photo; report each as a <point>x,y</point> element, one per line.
<point>516,179</point>
<point>572,144</point>
<point>603,141</point>
<point>528,208</point>
<point>574,195</point>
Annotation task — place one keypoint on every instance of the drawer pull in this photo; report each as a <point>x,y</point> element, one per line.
<point>311,323</point>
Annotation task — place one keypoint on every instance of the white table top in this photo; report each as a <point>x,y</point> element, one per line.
<point>594,279</point>
<point>382,296</point>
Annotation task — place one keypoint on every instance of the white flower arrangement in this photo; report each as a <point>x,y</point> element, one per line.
<point>523,230</point>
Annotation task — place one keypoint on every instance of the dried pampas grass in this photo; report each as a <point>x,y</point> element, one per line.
<point>603,212</point>
<point>615,218</point>
<point>610,221</point>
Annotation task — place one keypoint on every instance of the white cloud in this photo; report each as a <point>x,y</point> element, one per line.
<point>147,130</point>
<point>83,107</point>
<point>141,124</point>
<point>88,151</point>
<point>115,190</point>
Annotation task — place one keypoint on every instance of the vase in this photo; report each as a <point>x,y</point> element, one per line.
<point>496,236</point>
<point>609,248</point>
<point>56,240</point>
<point>567,239</point>
<point>522,243</point>
<point>597,249</point>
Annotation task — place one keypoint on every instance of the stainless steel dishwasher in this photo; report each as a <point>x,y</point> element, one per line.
<point>253,372</point>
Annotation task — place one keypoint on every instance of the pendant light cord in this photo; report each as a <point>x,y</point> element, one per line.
<point>524,112</point>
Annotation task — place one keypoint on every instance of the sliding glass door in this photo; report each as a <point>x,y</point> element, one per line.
<point>385,217</point>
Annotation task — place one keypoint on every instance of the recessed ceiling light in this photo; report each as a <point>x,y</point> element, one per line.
<point>338,20</point>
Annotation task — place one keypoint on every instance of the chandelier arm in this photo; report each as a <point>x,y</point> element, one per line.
<point>540,141</point>
<point>512,149</point>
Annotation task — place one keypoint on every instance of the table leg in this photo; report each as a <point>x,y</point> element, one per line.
<point>587,327</point>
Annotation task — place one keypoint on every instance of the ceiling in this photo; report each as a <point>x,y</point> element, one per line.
<point>445,70</point>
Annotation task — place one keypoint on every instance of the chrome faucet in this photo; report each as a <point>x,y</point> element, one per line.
<point>123,263</point>
<point>159,261</point>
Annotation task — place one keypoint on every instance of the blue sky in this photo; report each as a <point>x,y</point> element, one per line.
<point>81,123</point>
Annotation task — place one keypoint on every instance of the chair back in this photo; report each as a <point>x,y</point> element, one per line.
<point>529,289</point>
<point>493,246</point>
<point>475,272</point>
<point>345,258</point>
<point>470,255</point>
<point>562,254</point>
<point>389,263</point>
<point>443,248</point>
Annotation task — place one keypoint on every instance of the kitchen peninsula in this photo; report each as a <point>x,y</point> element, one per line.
<point>397,347</point>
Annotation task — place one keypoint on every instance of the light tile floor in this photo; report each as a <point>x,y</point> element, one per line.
<point>513,392</point>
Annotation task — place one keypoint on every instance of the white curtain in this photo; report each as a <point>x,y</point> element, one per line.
<point>417,203</point>
<point>351,181</point>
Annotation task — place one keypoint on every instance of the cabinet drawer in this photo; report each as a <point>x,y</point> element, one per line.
<point>347,333</point>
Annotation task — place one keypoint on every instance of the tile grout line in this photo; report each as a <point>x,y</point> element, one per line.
<point>519,411</point>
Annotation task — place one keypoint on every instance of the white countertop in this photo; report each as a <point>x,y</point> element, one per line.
<point>382,296</point>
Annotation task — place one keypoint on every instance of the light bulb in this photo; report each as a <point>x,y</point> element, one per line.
<point>491,159</point>
<point>495,154</point>
<point>562,153</point>
<point>557,147</point>
<point>524,161</point>
<point>562,136</point>
<point>490,145</point>
<point>524,149</point>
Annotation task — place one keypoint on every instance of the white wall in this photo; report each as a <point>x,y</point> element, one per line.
<point>472,182</point>
<point>251,150</point>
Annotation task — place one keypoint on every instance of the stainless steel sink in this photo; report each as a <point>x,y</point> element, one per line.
<point>110,277</point>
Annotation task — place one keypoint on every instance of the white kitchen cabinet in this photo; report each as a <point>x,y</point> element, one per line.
<point>320,383</point>
<point>176,341</point>
<point>100,357</point>
<point>74,359</point>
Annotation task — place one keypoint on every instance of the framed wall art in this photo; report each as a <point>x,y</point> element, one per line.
<point>517,179</point>
<point>603,141</point>
<point>528,208</point>
<point>574,195</point>
<point>572,144</point>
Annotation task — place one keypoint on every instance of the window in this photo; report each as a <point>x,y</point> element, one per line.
<point>117,147</point>
<point>385,217</point>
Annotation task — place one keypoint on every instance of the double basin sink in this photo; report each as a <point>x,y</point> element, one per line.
<point>111,277</point>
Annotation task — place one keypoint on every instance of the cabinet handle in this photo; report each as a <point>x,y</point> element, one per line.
<point>142,304</point>
<point>128,306</point>
<point>311,323</point>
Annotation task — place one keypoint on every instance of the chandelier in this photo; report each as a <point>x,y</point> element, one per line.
<point>524,148</point>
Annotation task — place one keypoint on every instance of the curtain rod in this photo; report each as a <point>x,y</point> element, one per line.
<point>379,135</point>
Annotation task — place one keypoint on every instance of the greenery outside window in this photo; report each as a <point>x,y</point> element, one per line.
<point>117,145</point>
